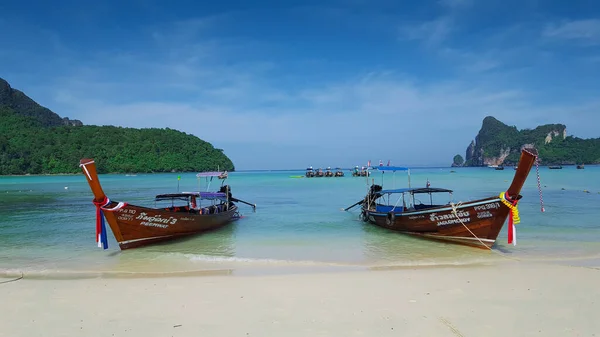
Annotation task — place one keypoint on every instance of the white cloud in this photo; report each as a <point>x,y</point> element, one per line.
<point>454,4</point>
<point>183,82</point>
<point>374,109</point>
<point>585,31</point>
<point>432,32</point>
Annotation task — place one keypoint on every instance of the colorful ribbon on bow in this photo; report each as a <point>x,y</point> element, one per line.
<point>101,235</point>
<point>513,219</point>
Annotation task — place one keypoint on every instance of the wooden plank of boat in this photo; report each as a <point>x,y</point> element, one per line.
<point>475,223</point>
<point>136,226</point>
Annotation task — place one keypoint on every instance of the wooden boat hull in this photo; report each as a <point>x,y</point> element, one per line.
<point>476,223</point>
<point>135,226</point>
<point>139,226</point>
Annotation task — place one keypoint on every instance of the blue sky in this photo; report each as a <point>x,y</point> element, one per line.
<point>288,84</point>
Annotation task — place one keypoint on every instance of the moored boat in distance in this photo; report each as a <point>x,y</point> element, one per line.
<point>580,167</point>
<point>310,172</point>
<point>555,167</point>
<point>319,173</point>
<point>339,172</point>
<point>185,213</point>
<point>475,223</point>
<point>362,172</point>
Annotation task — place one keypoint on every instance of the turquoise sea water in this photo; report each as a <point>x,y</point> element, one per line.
<point>47,223</point>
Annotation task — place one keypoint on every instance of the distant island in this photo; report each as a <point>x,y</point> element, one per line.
<point>35,140</point>
<point>500,144</point>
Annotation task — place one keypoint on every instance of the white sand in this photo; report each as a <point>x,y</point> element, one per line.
<point>511,299</point>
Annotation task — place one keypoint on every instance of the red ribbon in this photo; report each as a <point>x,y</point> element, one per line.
<point>511,225</point>
<point>99,206</point>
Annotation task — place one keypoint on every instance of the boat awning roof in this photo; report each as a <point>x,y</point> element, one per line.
<point>416,190</point>
<point>209,174</point>
<point>392,168</point>
<point>186,195</point>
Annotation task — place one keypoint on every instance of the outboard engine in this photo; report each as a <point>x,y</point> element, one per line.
<point>373,195</point>
<point>226,189</point>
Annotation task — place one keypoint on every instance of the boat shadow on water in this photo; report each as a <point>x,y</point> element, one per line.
<point>383,249</point>
<point>218,241</point>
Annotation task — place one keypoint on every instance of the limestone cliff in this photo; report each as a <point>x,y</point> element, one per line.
<point>500,144</point>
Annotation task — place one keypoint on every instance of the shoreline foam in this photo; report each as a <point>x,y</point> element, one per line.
<point>211,266</point>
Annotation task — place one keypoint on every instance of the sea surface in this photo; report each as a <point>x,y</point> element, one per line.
<point>47,224</point>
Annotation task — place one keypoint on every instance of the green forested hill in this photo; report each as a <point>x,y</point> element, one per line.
<point>38,141</point>
<point>500,144</point>
<point>23,105</point>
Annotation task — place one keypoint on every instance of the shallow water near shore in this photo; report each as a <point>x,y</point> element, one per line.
<point>47,224</point>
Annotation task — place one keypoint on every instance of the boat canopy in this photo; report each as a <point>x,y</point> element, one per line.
<point>392,168</point>
<point>415,190</point>
<point>208,174</point>
<point>187,195</point>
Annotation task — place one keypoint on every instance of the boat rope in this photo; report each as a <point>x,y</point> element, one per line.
<point>101,235</point>
<point>537,171</point>
<point>13,280</point>
<point>455,212</point>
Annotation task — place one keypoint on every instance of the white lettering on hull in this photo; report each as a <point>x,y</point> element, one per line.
<point>484,215</point>
<point>126,214</point>
<point>450,218</point>
<point>484,207</point>
<point>155,221</point>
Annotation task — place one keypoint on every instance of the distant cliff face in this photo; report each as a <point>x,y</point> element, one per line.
<point>500,144</point>
<point>23,105</point>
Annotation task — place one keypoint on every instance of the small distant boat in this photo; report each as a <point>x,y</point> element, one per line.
<point>361,172</point>
<point>580,167</point>
<point>474,223</point>
<point>339,172</point>
<point>319,173</point>
<point>310,172</point>
<point>499,168</point>
<point>556,167</point>
<point>223,175</point>
<point>328,172</point>
<point>184,213</point>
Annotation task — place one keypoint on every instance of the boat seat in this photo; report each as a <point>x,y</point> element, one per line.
<point>424,206</point>
<point>388,208</point>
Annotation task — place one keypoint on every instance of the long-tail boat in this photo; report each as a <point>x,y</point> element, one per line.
<point>475,223</point>
<point>186,213</point>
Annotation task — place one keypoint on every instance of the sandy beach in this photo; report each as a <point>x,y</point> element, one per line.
<point>508,299</point>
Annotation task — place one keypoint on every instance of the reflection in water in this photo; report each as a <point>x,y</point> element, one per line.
<point>175,255</point>
<point>384,247</point>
